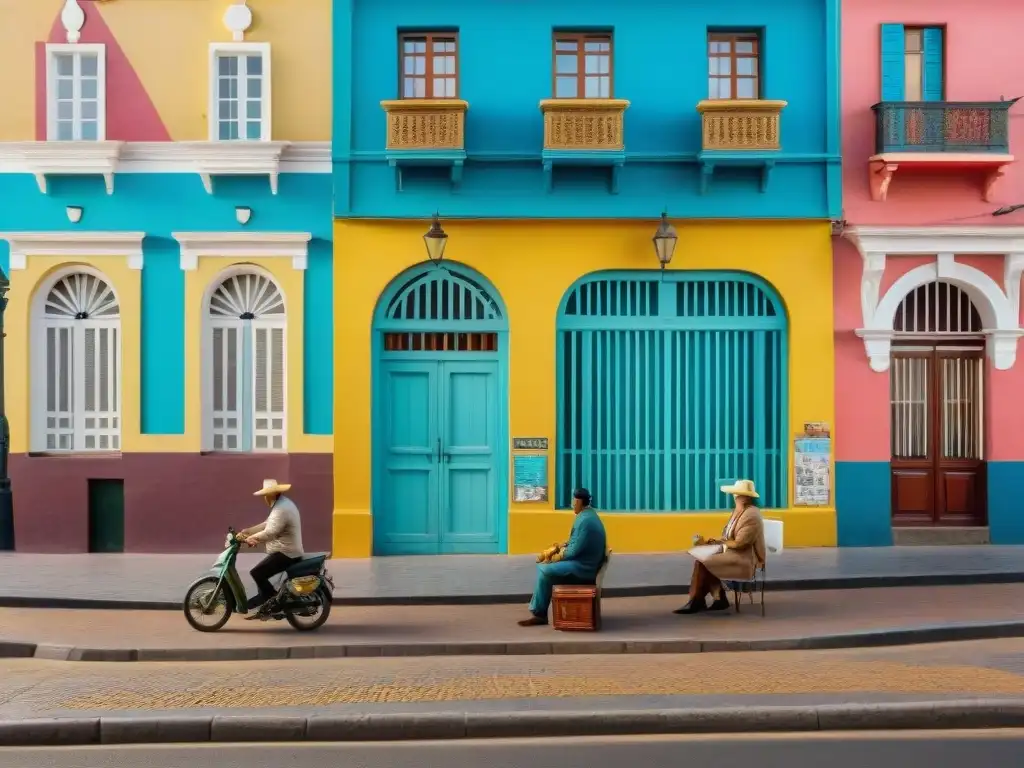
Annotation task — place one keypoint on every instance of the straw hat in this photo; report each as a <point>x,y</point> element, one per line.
<point>741,488</point>
<point>272,486</point>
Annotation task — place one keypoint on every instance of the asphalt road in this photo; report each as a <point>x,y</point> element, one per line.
<point>846,750</point>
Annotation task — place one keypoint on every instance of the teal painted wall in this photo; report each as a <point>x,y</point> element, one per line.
<point>863,503</point>
<point>660,66</point>
<point>159,204</point>
<point>1005,521</point>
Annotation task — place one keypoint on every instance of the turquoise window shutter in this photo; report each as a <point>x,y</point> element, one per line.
<point>893,62</point>
<point>931,89</point>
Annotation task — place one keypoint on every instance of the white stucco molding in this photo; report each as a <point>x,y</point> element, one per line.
<point>998,306</point>
<point>74,245</point>
<point>242,245</point>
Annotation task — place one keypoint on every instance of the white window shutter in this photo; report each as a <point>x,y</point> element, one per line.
<point>81,327</point>
<point>247,365</point>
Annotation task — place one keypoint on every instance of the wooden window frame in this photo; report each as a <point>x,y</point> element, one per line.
<point>581,77</point>
<point>430,37</point>
<point>732,38</point>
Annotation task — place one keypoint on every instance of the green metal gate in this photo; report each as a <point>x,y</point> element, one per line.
<point>669,387</point>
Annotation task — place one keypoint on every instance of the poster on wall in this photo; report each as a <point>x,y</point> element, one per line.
<point>812,476</point>
<point>530,478</point>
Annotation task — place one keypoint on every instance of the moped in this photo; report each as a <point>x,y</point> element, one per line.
<point>303,597</point>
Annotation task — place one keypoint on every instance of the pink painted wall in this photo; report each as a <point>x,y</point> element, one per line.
<point>131,115</point>
<point>862,395</point>
<point>984,61</point>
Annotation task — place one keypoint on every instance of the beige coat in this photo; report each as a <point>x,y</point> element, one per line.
<point>744,548</point>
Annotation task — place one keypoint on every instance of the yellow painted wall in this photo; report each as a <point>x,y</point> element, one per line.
<point>532,264</point>
<point>167,42</point>
<point>127,284</point>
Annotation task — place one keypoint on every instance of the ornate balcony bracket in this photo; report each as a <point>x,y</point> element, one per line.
<point>709,161</point>
<point>881,168</point>
<point>426,133</point>
<point>584,132</point>
<point>613,161</point>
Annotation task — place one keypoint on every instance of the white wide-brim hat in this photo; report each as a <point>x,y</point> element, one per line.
<point>272,486</point>
<point>741,488</point>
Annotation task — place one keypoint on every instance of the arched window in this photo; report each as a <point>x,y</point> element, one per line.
<point>245,394</point>
<point>76,351</point>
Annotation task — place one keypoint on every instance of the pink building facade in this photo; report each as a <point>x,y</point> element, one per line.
<point>929,432</point>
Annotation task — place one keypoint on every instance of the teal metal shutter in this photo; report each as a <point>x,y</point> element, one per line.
<point>893,62</point>
<point>932,66</point>
<point>669,388</point>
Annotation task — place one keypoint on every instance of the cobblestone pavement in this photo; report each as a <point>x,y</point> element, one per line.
<point>164,578</point>
<point>789,615</point>
<point>991,669</point>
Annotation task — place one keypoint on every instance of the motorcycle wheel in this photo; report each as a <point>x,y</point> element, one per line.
<point>309,623</point>
<point>203,590</point>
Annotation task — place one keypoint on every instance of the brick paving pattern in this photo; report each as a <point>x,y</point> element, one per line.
<point>164,578</point>
<point>31,688</point>
<point>790,615</point>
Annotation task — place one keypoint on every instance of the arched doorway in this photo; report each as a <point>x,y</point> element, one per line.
<point>670,386</point>
<point>440,414</point>
<point>936,387</point>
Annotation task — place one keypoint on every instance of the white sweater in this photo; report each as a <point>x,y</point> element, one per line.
<point>282,531</point>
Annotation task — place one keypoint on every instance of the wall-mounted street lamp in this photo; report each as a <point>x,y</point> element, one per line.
<point>436,239</point>
<point>242,214</point>
<point>665,242</point>
<point>74,213</point>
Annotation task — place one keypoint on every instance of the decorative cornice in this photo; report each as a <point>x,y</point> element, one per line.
<point>158,156</point>
<point>242,245</point>
<point>74,245</point>
<point>237,158</point>
<point>65,158</point>
<point>895,241</point>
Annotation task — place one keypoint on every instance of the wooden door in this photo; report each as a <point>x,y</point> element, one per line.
<point>937,463</point>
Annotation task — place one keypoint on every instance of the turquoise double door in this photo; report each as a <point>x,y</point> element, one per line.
<point>437,477</point>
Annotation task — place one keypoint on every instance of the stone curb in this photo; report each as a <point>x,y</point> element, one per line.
<point>177,729</point>
<point>864,639</point>
<point>788,585</point>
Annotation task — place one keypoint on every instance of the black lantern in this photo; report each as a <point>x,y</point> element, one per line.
<point>436,239</point>
<point>665,241</point>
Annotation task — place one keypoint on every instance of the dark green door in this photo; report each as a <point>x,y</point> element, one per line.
<point>106,515</point>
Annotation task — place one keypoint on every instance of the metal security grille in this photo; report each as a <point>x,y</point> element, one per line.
<point>909,385</point>
<point>962,407</point>
<point>669,388</point>
<point>937,308</point>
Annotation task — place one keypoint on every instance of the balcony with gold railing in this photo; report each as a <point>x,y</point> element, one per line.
<point>739,133</point>
<point>425,132</point>
<point>584,132</point>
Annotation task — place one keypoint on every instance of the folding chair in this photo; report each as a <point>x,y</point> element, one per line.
<point>773,545</point>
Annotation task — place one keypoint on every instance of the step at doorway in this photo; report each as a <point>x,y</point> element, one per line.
<point>939,536</point>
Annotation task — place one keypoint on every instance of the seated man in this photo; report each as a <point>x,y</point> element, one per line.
<point>282,533</point>
<point>741,552</point>
<point>576,563</point>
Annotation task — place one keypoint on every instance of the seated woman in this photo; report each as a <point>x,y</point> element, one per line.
<point>742,552</point>
<point>576,563</point>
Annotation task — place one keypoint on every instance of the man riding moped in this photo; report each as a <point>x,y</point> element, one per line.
<point>282,534</point>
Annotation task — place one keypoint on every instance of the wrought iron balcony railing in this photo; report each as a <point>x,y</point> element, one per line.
<point>942,126</point>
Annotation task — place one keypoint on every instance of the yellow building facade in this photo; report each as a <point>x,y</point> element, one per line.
<point>533,267</point>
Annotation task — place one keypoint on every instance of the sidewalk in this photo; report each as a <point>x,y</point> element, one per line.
<point>803,619</point>
<point>159,581</point>
<point>350,699</point>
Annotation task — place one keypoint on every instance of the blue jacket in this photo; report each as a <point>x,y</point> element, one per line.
<point>587,544</point>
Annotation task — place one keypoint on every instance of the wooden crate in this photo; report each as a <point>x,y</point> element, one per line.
<point>576,608</point>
